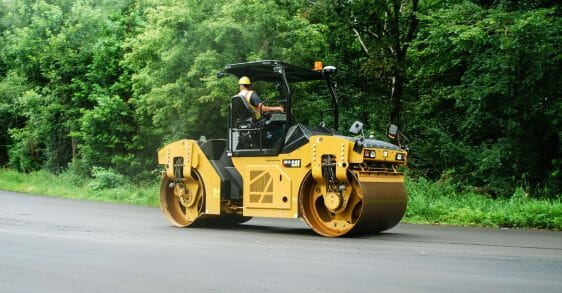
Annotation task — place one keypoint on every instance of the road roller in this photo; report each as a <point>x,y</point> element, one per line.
<point>272,166</point>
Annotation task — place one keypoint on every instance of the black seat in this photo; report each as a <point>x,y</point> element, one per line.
<point>245,125</point>
<point>243,115</point>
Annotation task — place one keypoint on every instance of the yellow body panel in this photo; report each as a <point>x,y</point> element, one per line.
<point>279,197</point>
<point>193,157</point>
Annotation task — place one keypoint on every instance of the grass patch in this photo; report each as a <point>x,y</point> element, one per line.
<point>442,203</point>
<point>43,182</point>
<point>428,203</point>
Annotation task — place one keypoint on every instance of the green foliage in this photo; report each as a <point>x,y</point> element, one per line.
<point>69,53</point>
<point>43,182</point>
<point>11,87</point>
<point>77,173</point>
<point>447,203</point>
<point>384,30</point>
<point>105,178</point>
<point>27,152</point>
<point>489,87</point>
<point>181,47</point>
<point>105,129</point>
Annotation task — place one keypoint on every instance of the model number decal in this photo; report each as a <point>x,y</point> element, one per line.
<point>292,163</point>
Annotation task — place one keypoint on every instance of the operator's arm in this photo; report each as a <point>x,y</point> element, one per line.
<point>265,108</point>
<point>256,102</point>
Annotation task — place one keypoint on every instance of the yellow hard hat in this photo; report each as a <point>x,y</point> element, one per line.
<point>244,80</point>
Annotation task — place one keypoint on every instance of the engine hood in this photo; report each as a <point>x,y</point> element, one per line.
<point>373,143</point>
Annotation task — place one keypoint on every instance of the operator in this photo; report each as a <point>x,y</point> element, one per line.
<point>252,98</point>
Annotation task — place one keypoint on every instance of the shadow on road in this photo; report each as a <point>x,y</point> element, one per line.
<point>260,229</point>
<point>305,231</point>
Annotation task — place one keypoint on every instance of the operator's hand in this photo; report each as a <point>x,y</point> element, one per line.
<point>281,109</point>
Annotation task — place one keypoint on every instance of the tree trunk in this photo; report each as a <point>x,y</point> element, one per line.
<point>396,97</point>
<point>73,144</point>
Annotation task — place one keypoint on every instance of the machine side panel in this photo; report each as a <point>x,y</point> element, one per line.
<point>271,184</point>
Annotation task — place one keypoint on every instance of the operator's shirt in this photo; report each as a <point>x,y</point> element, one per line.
<point>252,98</point>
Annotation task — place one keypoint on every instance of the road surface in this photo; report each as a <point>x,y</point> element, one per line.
<point>59,245</point>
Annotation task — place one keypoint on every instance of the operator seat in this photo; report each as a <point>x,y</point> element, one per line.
<point>244,123</point>
<point>243,115</point>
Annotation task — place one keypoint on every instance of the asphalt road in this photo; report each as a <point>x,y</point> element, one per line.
<point>58,245</point>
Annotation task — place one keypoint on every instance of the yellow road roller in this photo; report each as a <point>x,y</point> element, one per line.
<point>274,167</point>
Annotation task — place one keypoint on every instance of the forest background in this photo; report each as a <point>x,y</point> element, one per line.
<point>91,88</point>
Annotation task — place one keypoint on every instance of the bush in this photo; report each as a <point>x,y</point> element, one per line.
<point>77,172</point>
<point>106,178</point>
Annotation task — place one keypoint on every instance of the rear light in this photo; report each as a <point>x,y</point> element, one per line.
<point>370,154</point>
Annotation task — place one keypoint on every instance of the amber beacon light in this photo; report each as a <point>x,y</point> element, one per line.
<point>318,66</point>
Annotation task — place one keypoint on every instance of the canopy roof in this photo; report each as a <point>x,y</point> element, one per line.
<point>271,71</point>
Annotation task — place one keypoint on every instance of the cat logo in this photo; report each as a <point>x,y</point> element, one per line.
<point>292,163</point>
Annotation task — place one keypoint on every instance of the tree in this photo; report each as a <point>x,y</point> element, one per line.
<point>12,87</point>
<point>489,107</point>
<point>183,45</point>
<point>68,52</point>
<point>384,29</point>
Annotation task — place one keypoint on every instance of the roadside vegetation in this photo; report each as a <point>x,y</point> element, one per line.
<point>444,202</point>
<point>429,202</point>
<point>107,186</point>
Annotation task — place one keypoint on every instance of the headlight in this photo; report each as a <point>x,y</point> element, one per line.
<point>400,157</point>
<point>370,154</point>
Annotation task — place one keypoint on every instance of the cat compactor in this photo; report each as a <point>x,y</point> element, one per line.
<point>275,167</point>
